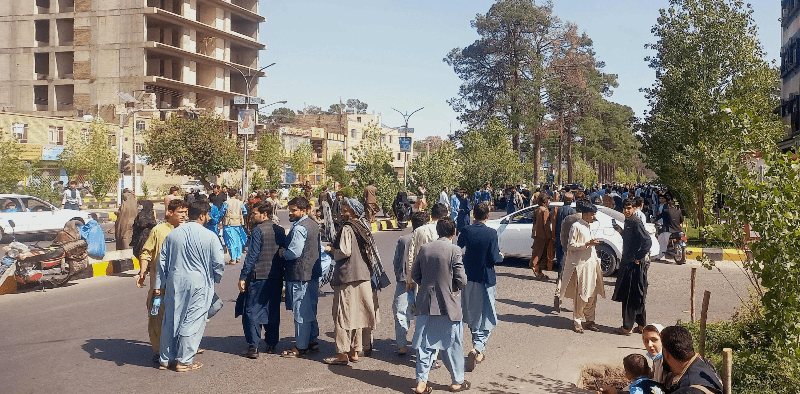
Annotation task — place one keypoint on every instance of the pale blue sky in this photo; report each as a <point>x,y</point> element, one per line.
<point>388,53</point>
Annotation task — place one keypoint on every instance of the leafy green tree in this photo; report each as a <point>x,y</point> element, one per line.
<point>269,157</point>
<point>301,160</point>
<point>357,106</point>
<point>374,163</point>
<point>609,142</point>
<point>707,58</point>
<point>486,156</point>
<point>337,169</point>
<point>195,148</point>
<point>336,109</point>
<point>90,152</point>
<point>440,167</point>
<point>282,115</point>
<point>12,168</point>
<point>312,110</point>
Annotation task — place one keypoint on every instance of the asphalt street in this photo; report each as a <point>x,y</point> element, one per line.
<point>91,336</point>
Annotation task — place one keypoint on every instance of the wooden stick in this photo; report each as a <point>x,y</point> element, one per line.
<point>727,365</point>
<point>691,293</point>
<point>703,317</point>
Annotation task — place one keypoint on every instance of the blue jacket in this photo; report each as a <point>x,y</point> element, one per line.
<point>481,254</point>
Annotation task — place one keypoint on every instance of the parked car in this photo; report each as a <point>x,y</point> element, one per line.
<point>193,186</point>
<point>514,233</point>
<point>32,215</point>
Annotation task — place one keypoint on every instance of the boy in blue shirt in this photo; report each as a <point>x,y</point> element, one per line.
<point>638,371</point>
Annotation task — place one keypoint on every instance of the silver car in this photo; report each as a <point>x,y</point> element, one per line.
<point>32,215</point>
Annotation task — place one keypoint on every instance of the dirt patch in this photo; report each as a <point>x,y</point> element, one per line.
<point>603,374</point>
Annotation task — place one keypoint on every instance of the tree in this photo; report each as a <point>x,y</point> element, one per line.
<point>609,143</point>
<point>90,152</point>
<point>269,157</point>
<point>374,164</point>
<point>195,148</point>
<point>486,156</point>
<point>357,106</point>
<point>336,109</point>
<point>282,115</point>
<point>301,159</point>
<point>437,168</point>
<point>312,110</point>
<point>337,169</point>
<point>707,58</point>
<point>504,71</point>
<point>12,168</point>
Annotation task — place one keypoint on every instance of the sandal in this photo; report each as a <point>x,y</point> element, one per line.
<point>186,368</point>
<point>301,353</point>
<point>200,351</point>
<point>622,331</point>
<point>334,361</point>
<point>428,390</point>
<point>464,387</point>
<point>469,364</point>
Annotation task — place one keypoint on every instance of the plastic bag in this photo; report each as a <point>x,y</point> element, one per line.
<point>93,235</point>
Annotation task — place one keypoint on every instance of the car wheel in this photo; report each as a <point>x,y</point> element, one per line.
<point>608,259</point>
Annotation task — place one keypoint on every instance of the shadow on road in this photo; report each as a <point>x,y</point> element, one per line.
<point>120,351</point>
<point>540,383</point>
<point>380,379</point>
<point>233,344</point>
<point>544,309</point>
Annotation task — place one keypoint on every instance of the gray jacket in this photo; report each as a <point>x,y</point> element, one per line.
<point>401,257</point>
<point>440,274</point>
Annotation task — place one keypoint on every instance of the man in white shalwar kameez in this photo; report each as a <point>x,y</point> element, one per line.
<point>582,272</point>
<point>190,262</point>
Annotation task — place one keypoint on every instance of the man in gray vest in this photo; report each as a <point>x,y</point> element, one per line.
<point>302,272</point>
<point>262,280</point>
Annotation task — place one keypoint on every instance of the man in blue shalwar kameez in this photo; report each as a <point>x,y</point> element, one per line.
<point>302,271</point>
<point>478,300</point>
<point>190,262</point>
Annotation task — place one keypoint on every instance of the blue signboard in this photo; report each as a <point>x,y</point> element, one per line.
<point>51,152</point>
<point>405,144</point>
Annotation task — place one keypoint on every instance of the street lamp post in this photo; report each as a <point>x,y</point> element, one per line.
<point>405,135</point>
<point>246,136</point>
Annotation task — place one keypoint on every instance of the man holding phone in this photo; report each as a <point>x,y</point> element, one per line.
<point>582,272</point>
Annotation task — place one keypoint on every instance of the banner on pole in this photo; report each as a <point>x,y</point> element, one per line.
<point>247,121</point>
<point>405,144</point>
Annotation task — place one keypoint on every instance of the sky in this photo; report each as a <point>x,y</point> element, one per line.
<point>388,53</point>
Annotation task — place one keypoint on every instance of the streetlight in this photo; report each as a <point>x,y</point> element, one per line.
<point>246,136</point>
<point>405,135</point>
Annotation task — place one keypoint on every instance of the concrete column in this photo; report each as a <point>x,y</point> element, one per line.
<point>190,9</point>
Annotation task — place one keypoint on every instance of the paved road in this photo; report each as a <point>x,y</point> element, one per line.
<point>91,336</point>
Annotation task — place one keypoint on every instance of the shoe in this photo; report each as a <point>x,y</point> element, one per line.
<point>367,352</point>
<point>556,305</point>
<point>589,325</point>
<point>638,329</point>
<point>660,256</point>
<point>578,328</point>
<point>156,357</point>
<point>622,331</point>
<point>270,349</point>
<point>464,387</point>
<point>252,352</point>
<point>334,361</point>
<point>469,363</point>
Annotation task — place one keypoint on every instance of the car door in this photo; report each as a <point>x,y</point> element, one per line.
<point>41,215</point>
<point>515,238</point>
<point>12,209</point>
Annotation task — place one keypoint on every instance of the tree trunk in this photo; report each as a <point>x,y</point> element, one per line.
<point>569,154</point>
<point>537,155</point>
<point>560,158</point>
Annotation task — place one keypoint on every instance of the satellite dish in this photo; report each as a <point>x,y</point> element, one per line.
<point>88,118</point>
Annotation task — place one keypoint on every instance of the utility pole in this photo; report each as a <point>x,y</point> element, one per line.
<point>405,135</point>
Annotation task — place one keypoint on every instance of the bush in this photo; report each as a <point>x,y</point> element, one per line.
<point>347,191</point>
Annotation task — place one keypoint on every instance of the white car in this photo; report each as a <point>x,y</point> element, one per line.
<point>193,186</point>
<point>32,215</point>
<point>514,233</point>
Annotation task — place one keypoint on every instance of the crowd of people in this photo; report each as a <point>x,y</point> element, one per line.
<point>438,283</point>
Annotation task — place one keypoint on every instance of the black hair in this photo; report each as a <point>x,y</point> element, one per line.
<point>198,208</point>
<point>446,227</point>
<point>300,203</point>
<point>677,341</point>
<point>438,211</point>
<point>419,218</point>
<point>639,202</point>
<point>264,206</point>
<point>629,202</point>
<point>177,203</point>
<point>636,366</point>
<point>481,211</point>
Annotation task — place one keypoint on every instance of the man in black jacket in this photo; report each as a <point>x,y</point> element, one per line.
<point>691,374</point>
<point>631,286</point>
<point>672,219</point>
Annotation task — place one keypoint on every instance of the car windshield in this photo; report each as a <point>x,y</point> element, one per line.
<point>35,205</point>
<point>9,205</point>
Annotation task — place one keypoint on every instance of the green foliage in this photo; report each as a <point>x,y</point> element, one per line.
<point>282,115</point>
<point>486,156</point>
<point>336,109</point>
<point>258,181</point>
<point>312,110</point>
<point>441,167</point>
<point>12,168</point>
<point>145,190</point>
<point>708,58</point>
<point>195,148</point>
<point>348,191</point>
<point>40,186</point>
<point>337,169</point>
<point>295,192</point>
<point>269,157</point>
<point>766,197</point>
<point>90,152</point>
<point>301,160</point>
<point>374,164</point>
<point>584,174</point>
<point>357,106</point>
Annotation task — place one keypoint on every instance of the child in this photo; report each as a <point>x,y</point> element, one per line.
<point>651,337</point>
<point>637,370</point>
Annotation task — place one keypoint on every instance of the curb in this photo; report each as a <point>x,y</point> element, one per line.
<point>717,254</point>
<point>112,263</point>
<point>384,224</point>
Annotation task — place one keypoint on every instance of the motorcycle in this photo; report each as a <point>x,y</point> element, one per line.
<point>402,210</point>
<point>676,247</point>
<point>53,265</point>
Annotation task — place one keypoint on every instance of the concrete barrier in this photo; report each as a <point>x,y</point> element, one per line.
<point>716,254</point>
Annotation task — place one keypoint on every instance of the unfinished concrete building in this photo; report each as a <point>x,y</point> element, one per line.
<point>70,58</point>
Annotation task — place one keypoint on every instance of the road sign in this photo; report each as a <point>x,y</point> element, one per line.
<point>247,121</point>
<point>409,130</point>
<point>405,144</point>
<point>242,100</point>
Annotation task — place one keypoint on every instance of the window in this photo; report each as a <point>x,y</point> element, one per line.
<point>112,140</point>
<point>399,156</point>
<point>140,125</point>
<point>21,132</point>
<point>390,139</point>
<point>358,119</point>
<point>383,139</point>
<point>352,133</point>
<point>55,135</point>
<point>138,148</point>
<point>36,205</point>
<point>85,136</point>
